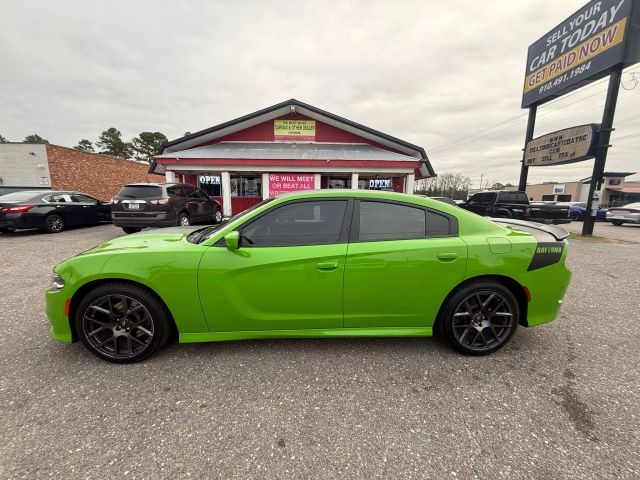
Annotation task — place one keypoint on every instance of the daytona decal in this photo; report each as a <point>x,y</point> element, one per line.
<point>547,253</point>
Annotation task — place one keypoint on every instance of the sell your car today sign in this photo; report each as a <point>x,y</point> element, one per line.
<point>582,48</point>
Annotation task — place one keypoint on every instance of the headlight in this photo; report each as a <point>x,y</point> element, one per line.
<point>57,282</point>
<point>114,201</point>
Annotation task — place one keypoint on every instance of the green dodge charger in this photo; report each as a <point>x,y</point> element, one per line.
<point>330,263</point>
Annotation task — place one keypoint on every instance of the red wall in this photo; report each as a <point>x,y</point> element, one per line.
<point>263,132</point>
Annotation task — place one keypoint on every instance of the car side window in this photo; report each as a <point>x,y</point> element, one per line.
<point>198,193</point>
<point>176,191</point>
<point>78,197</point>
<point>380,221</point>
<point>438,225</point>
<point>489,197</point>
<point>59,198</point>
<point>477,198</point>
<point>316,222</point>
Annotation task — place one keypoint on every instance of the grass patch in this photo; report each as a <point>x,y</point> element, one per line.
<point>590,238</point>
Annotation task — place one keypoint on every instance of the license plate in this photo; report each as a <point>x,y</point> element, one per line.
<point>134,206</point>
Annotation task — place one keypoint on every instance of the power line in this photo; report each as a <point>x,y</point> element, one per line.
<point>467,138</point>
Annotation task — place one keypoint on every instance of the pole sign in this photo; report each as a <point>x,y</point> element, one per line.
<point>564,146</point>
<point>583,48</point>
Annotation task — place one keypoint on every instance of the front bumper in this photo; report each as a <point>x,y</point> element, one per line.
<point>56,305</point>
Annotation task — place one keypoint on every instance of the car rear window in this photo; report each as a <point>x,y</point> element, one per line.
<point>140,191</point>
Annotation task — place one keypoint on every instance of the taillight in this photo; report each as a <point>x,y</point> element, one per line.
<point>20,209</point>
<point>162,201</point>
<point>527,212</point>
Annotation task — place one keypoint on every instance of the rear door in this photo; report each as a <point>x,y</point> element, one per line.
<point>402,261</point>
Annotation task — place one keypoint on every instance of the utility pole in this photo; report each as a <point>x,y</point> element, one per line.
<point>524,169</point>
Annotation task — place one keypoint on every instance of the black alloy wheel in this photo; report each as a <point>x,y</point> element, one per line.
<point>481,318</point>
<point>122,323</point>
<point>183,220</point>
<point>54,223</point>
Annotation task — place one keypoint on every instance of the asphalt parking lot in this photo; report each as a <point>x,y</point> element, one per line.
<point>560,401</point>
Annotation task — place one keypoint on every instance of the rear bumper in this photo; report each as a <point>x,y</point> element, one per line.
<point>143,219</point>
<point>550,221</point>
<point>20,221</point>
<point>624,218</point>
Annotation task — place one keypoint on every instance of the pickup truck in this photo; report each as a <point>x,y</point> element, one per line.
<point>514,204</point>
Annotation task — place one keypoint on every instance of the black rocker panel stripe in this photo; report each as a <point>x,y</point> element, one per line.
<point>547,253</point>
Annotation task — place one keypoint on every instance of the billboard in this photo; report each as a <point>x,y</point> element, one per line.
<point>564,146</point>
<point>294,130</point>
<point>584,47</point>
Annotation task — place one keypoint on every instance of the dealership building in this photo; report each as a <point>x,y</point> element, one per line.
<point>287,147</point>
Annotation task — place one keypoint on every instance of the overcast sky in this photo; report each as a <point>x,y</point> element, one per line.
<point>429,72</point>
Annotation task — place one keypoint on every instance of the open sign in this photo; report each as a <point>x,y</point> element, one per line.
<point>376,183</point>
<point>210,179</point>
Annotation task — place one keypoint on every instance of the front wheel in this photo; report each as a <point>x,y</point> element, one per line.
<point>217,217</point>
<point>480,318</point>
<point>122,323</point>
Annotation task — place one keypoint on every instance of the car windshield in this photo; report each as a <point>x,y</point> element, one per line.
<point>17,196</point>
<point>203,234</point>
<point>140,191</point>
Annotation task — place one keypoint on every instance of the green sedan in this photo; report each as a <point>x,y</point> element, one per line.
<point>330,263</point>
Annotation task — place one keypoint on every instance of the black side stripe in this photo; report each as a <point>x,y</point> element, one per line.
<point>547,253</point>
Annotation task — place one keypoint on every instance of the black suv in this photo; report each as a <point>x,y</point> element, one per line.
<point>140,205</point>
<point>515,204</point>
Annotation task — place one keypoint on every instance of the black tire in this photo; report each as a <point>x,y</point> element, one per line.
<point>53,223</point>
<point>122,323</point>
<point>617,223</point>
<point>217,216</point>
<point>129,230</point>
<point>183,220</point>
<point>480,318</point>
<point>575,216</point>
<point>504,214</point>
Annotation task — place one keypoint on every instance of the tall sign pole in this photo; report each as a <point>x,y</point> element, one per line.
<point>603,147</point>
<point>531,124</point>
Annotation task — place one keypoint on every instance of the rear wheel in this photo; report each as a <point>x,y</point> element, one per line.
<point>480,318</point>
<point>122,323</point>
<point>617,223</point>
<point>54,224</point>
<point>575,216</point>
<point>183,220</point>
<point>129,230</point>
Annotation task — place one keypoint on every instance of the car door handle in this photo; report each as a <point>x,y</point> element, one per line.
<point>447,257</point>
<point>327,266</point>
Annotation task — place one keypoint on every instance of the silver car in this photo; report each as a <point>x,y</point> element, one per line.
<point>627,214</point>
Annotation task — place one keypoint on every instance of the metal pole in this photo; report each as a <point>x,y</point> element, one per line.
<point>603,145</point>
<point>531,124</point>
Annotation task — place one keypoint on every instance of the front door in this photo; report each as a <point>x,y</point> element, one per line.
<point>401,263</point>
<point>287,273</point>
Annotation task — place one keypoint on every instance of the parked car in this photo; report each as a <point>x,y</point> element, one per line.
<point>578,211</point>
<point>514,204</point>
<point>141,205</point>
<point>330,263</point>
<point>628,214</point>
<point>51,211</point>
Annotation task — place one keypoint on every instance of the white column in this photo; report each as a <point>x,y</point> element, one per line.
<point>317,181</point>
<point>170,176</point>
<point>265,186</point>
<point>226,193</point>
<point>354,181</point>
<point>408,183</point>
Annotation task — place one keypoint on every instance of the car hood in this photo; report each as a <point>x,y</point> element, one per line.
<point>157,239</point>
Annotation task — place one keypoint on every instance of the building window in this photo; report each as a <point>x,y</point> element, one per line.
<point>246,186</point>
<point>548,198</point>
<point>210,183</point>
<point>614,181</point>
<point>564,198</point>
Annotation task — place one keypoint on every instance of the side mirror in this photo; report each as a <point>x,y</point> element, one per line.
<point>232,240</point>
